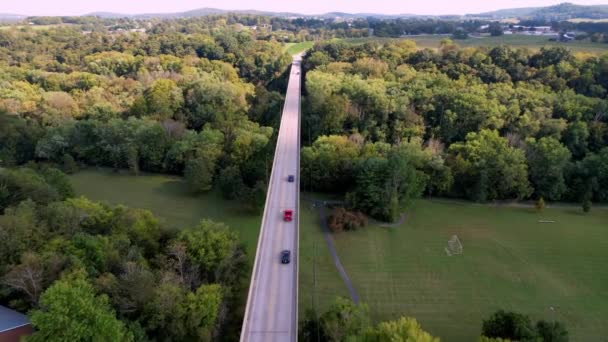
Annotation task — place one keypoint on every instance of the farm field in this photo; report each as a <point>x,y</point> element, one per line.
<point>532,42</point>
<point>168,198</point>
<point>551,271</point>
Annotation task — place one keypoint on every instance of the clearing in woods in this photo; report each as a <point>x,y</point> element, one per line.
<point>168,198</point>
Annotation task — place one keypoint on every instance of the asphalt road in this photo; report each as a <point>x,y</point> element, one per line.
<point>272,305</point>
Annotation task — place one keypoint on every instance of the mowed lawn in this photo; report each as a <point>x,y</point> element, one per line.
<point>294,48</point>
<point>552,271</point>
<point>167,197</point>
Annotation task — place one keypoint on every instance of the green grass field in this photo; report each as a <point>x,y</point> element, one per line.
<point>510,261</point>
<point>294,48</point>
<point>531,42</point>
<point>168,198</point>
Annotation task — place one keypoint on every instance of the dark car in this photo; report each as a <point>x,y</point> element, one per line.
<point>291,178</point>
<point>285,257</point>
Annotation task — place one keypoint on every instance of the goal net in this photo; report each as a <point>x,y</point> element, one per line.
<point>454,246</point>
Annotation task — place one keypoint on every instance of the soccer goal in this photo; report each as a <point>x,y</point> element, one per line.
<point>454,246</point>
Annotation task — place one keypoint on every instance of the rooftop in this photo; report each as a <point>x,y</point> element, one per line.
<point>11,319</point>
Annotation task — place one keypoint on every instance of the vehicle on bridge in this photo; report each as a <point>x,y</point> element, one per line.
<point>288,215</point>
<point>285,257</point>
<point>291,178</point>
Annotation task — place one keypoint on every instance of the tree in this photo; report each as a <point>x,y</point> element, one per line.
<point>311,329</point>
<point>404,329</point>
<point>587,205</point>
<point>70,311</point>
<point>202,309</point>
<point>199,174</point>
<point>344,319</point>
<point>164,98</point>
<point>540,204</point>
<point>328,165</point>
<point>552,331</point>
<point>486,168</point>
<point>231,183</point>
<point>547,161</point>
<point>176,314</point>
<point>216,101</point>
<point>208,245</point>
<point>495,29</point>
<point>68,164</point>
<point>27,277</point>
<point>509,325</point>
<point>20,231</point>
<point>383,185</point>
<point>25,183</point>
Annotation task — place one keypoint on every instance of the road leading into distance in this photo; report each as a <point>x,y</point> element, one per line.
<point>272,305</point>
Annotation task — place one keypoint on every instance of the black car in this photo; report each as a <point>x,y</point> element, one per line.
<point>291,178</point>
<point>285,257</point>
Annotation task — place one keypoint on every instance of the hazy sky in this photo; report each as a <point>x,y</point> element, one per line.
<point>76,7</point>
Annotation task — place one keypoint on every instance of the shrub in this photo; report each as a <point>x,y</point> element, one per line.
<point>342,219</point>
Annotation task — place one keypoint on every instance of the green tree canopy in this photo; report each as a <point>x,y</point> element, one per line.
<point>71,311</point>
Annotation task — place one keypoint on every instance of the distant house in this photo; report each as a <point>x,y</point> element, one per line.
<point>13,325</point>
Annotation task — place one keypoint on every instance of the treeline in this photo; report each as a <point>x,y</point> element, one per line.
<point>400,27</point>
<point>88,271</point>
<point>196,104</point>
<point>388,122</point>
<point>347,321</point>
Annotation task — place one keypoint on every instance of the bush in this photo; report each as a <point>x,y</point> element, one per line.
<point>342,219</point>
<point>587,205</point>
<point>69,165</point>
<point>540,204</point>
<point>509,325</point>
<point>513,326</point>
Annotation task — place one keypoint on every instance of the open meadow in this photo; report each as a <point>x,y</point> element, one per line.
<point>167,197</point>
<point>551,271</point>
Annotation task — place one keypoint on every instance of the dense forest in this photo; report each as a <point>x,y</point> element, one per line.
<point>390,122</point>
<point>197,103</point>
<point>199,98</point>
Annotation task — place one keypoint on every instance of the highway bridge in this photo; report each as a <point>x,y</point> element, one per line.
<point>272,304</point>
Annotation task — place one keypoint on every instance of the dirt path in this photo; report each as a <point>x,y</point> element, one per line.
<point>320,205</point>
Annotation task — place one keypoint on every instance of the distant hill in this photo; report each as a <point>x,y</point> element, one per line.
<point>562,11</point>
<point>201,12</point>
<point>558,12</point>
<point>7,17</point>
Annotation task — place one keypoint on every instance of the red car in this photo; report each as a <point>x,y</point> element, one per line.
<point>288,215</point>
